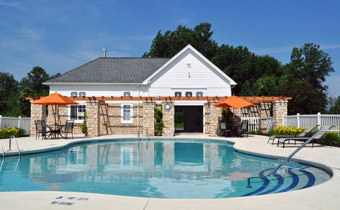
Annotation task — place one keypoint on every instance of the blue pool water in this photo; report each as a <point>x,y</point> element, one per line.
<point>155,168</point>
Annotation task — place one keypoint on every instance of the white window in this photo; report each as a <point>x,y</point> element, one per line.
<point>82,94</point>
<point>178,94</point>
<point>77,112</point>
<point>127,94</point>
<point>74,94</point>
<point>126,113</point>
<point>199,94</point>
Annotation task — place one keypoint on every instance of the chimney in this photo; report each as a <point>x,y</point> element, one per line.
<point>104,51</point>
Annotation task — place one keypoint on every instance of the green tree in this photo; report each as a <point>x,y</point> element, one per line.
<point>3,101</point>
<point>34,81</point>
<point>8,95</point>
<point>8,84</point>
<point>335,108</point>
<point>171,42</point>
<point>304,77</point>
<point>310,64</point>
<point>305,99</point>
<point>24,104</point>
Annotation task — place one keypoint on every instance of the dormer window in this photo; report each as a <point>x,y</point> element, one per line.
<point>82,94</point>
<point>178,94</point>
<point>127,94</point>
<point>74,94</point>
<point>188,94</point>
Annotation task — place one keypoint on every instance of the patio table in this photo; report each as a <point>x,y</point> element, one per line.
<point>55,131</point>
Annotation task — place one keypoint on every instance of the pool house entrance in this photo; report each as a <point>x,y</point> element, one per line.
<point>189,119</point>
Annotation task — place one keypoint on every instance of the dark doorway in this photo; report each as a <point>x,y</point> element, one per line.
<point>189,118</point>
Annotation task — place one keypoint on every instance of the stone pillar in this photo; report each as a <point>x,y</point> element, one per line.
<point>280,109</point>
<point>38,112</point>
<point>211,115</point>
<point>148,118</point>
<point>168,119</point>
<point>92,111</point>
<point>264,114</point>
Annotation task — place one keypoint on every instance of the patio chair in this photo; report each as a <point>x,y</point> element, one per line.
<point>301,135</point>
<point>303,139</point>
<point>223,129</point>
<point>242,129</point>
<point>68,128</point>
<point>40,129</point>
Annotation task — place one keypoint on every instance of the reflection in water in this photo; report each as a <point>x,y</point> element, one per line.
<point>173,169</point>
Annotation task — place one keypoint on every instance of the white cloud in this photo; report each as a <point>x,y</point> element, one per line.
<point>331,46</point>
<point>11,4</point>
<point>31,33</point>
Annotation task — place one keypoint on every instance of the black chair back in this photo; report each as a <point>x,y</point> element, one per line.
<point>38,126</point>
<point>244,125</point>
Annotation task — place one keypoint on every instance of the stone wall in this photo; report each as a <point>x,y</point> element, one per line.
<point>38,112</point>
<point>280,109</point>
<point>148,118</point>
<point>212,115</point>
<point>168,119</point>
<point>264,114</point>
<point>92,111</point>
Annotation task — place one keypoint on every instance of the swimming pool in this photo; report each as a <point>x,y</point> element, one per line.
<point>155,168</point>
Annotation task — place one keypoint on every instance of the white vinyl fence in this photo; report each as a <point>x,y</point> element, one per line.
<point>253,123</point>
<point>270,124</point>
<point>16,122</point>
<point>309,120</point>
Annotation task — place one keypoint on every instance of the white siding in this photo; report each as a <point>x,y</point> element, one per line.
<point>199,77</point>
<point>175,77</point>
<point>99,90</point>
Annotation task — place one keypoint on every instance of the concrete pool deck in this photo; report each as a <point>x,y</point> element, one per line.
<point>323,196</point>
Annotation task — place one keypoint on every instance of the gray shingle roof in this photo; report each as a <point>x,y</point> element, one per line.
<point>112,70</point>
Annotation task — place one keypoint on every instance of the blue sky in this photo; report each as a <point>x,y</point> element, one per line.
<point>60,35</point>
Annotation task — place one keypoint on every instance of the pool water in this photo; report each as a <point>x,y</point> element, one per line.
<point>155,168</point>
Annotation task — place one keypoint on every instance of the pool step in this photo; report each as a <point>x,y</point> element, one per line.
<point>289,179</point>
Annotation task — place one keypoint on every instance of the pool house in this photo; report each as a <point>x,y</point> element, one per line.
<point>119,96</point>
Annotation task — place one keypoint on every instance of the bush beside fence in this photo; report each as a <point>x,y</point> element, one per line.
<point>16,122</point>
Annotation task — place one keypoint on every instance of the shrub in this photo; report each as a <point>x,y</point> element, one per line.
<point>286,130</point>
<point>259,132</point>
<point>227,115</point>
<point>330,138</point>
<point>84,126</point>
<point>159,125</point>
<point>8,132</point>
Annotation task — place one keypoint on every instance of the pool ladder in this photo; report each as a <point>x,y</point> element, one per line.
<point>274,171</point>
<point>16,142</point>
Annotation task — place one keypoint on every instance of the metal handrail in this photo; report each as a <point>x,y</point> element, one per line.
<point>298,149</point>
<point>16,142</point>
<point>290,156</point>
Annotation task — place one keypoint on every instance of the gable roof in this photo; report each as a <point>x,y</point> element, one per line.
<point>111,70</point>
<point>193,50</point>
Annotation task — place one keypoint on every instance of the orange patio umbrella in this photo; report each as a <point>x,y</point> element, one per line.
<point>234,102</point>
<point>55,100</point>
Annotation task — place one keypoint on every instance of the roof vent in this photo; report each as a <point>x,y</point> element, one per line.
<point>104,51</point>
